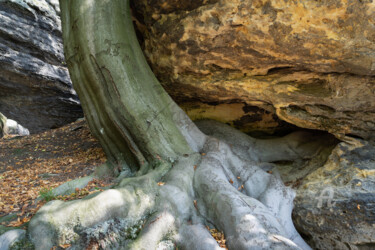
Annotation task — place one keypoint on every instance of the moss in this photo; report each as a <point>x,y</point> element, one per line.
<point>110,234</point>
<point>24,244</point>
<point>4,220</point>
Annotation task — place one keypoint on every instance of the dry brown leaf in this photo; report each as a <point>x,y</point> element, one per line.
<point>65,245</point>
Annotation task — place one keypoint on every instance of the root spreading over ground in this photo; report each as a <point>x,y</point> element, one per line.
<point>180,177</point>
<point>229,184</point>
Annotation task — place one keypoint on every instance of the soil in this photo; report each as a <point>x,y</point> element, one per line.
<point>31,164</point>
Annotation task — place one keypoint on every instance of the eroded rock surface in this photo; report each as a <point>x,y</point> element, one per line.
<point>335,204</point>
<point>35,88</point>
<point>310,63</point>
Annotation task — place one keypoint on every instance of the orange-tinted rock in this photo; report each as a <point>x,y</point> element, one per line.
<point>311,63</point>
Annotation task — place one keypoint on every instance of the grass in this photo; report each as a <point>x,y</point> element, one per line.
<point>47,194</point>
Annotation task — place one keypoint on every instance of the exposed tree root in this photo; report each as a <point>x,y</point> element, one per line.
<point>223,185</point>
<point>185,179</point>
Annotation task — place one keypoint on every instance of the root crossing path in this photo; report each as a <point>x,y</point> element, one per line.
<point>227,184</point>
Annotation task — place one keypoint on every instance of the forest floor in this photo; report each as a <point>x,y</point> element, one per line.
<point>33,165</point>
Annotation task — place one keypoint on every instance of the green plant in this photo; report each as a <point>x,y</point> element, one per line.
<point>24,244</point>
<point>47,194</point>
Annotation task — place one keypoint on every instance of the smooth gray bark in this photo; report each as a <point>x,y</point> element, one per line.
<point>184,179</point>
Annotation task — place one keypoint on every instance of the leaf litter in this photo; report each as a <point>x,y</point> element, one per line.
<point>31,164</point>
<point>37,163</point>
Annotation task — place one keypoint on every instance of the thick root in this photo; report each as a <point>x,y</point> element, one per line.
<point>262,218</point>
<point>223,186</point>
<point>61,222</point>
<point>297,145</point>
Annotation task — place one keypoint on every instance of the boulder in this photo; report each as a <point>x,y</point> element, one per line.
<point>262,63</point>
<point>35,88</point>
<point>266,65</point>
<point>335,204</point>
<point>13,128</point>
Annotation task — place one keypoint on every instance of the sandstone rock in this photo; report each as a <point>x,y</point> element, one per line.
<point>335,204</point>
<point>35,87</point>
<point>265,64</point>
<point>309,63</point>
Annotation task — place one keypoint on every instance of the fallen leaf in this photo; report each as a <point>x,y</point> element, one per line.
<point>65,246</point>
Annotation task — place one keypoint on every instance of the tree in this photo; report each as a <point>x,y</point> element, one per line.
<point>177,177</point>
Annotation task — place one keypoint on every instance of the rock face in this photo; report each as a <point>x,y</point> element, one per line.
<point>265,65</point>
<point>335,204</point>
<point>309,63</point>
<point>35,87</point>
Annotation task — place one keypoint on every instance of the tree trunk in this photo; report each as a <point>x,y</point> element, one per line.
<point>182,179</point>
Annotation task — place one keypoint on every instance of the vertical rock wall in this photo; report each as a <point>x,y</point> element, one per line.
<point>35,88</point>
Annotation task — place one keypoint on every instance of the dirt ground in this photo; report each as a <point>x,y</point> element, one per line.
<point>31,164</point>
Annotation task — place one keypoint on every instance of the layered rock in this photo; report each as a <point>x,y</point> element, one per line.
<point>309,63</point>
<point>266,64</point>
<point>35,88</point>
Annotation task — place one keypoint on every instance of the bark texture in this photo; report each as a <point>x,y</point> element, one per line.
<point>125,105</point>
<point>181,179</point>
<point>309,63</point>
